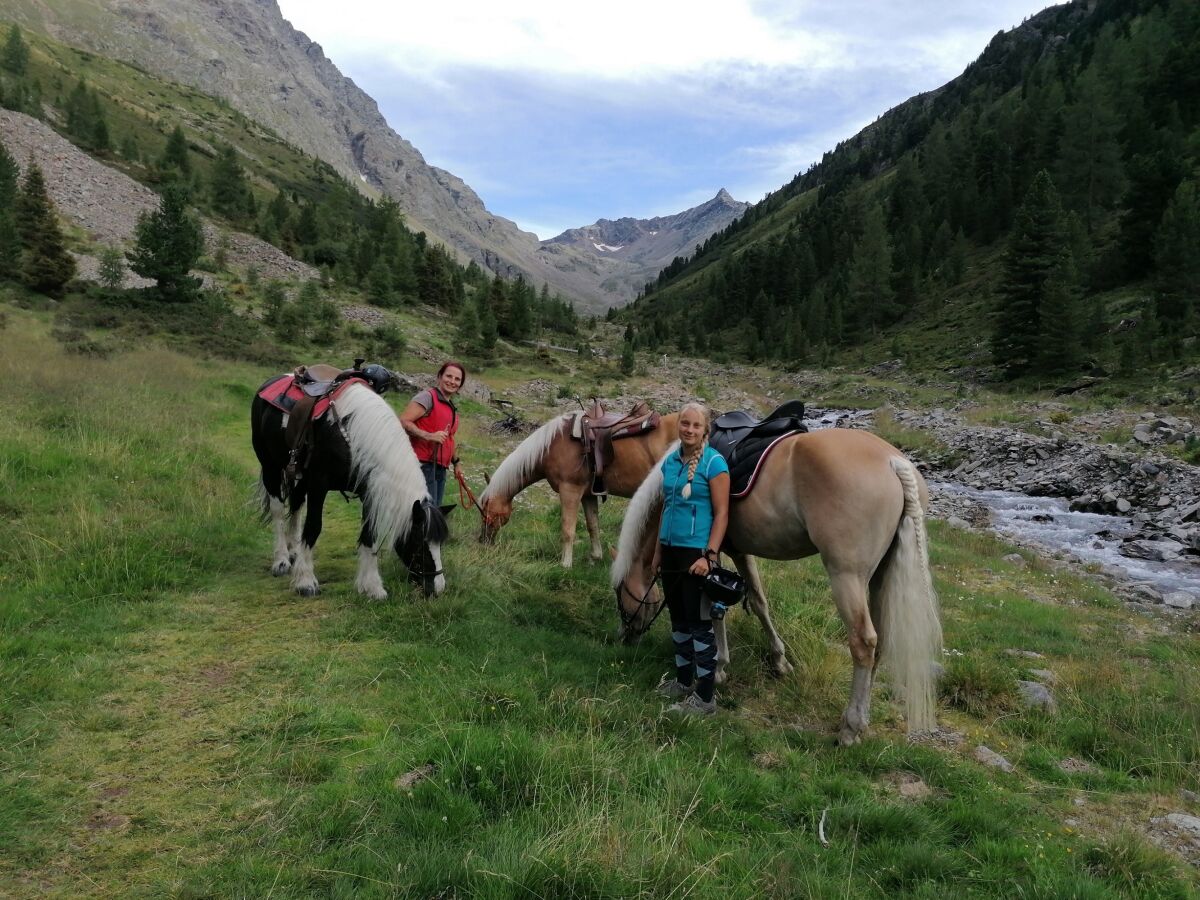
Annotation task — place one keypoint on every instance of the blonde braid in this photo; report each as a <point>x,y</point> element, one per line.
<point>695,460</point>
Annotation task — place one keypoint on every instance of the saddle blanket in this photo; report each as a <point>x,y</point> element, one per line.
<point>284,391</point>
<point>748,461</point>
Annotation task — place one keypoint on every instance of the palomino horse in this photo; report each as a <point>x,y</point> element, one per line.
<point>551,453</point>
<point>855,500</point>
<point>358,448</point>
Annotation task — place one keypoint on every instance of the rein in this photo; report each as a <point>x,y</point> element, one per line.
<point>642,603</point>
<point>464,493</point>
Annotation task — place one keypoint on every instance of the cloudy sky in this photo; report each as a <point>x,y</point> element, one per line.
<point>561,113</point>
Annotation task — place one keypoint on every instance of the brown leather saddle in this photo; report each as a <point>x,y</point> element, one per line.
<point>597,428</point>
<point>318,383</point>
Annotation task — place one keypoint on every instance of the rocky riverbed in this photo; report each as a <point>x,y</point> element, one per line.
<point>1159,495</point>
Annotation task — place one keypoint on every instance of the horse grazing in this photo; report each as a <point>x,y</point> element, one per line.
<point>553,454</point>
<point>357,447</point>
<point>858,502</point>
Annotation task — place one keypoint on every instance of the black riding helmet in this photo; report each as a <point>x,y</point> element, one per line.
<point>378,377</point>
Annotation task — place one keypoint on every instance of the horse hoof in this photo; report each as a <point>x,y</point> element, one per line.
<point>281,568</point>
<point>720,677</point>
<point>848,737</point>
<point>308,590</point>
<point>374,595</point>
<point>783,667</point>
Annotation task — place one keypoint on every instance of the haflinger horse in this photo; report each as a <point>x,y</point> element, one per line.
<point>858,502</point>
<point>551,453</point>
<point>358,447</point>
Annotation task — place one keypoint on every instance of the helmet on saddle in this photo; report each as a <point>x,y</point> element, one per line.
<point>378,377</point>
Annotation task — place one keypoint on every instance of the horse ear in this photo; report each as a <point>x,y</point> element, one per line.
<point>487,477</point>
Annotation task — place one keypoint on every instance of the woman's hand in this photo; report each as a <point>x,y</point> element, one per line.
<point>436,437</point>
<point>701,567</point>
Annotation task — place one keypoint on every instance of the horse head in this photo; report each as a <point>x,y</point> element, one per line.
<point>421,549</point>
<point>496,511</point>
<point>639,599</point>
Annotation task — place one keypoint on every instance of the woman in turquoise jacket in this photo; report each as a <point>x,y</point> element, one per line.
<point>695,515</point>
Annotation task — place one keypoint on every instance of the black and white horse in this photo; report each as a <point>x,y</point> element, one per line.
<point>358,447</point>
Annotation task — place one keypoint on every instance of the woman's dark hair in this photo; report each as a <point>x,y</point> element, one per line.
<point>451,363</point>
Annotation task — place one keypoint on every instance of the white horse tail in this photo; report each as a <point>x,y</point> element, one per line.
<point>911,630</point>
<point>383,458</point>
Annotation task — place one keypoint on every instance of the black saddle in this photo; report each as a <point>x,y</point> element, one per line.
<point>743,439</point>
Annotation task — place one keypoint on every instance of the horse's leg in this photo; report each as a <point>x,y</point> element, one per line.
<point>368,581</point>
<point>850,595</point>
<point>570,496</point>
<point>757,601</point>
<point>591,515</point>
<point>304,580</point>
<point>719,675</point>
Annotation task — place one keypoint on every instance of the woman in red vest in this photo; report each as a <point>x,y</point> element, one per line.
<point>431,421</point>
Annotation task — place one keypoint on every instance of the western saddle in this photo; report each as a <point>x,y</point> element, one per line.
<point>597,428</point>
<point>317,382</point>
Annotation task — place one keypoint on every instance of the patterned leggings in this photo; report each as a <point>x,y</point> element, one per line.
<point>691,628</point>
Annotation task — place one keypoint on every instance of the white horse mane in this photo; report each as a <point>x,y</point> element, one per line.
<point>381,453</point>
<point>639,515</point>
<point>513,473</point>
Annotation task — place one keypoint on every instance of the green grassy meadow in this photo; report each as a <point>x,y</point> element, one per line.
<point>176,723</point>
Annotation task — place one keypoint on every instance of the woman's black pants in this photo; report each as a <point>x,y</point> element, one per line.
<point>691,627</point>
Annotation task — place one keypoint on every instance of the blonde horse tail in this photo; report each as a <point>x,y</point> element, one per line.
<point>911,626</point>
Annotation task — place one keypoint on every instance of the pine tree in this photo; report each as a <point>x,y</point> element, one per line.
<point>228,186</point>
<point>1059,345</point>
<point>175,159</point>
<point>10,239</point>
<point>870,274</point>
<point>169,242</point>
<point>1036,248</point>
<point>1177,257</point>
<point>1093,173</point>
<point>627,358</point>
<point>489,330</point>
<point>15,58</point>
<point>380,285</point>
<point>46,266</point>
<point>466,335</point>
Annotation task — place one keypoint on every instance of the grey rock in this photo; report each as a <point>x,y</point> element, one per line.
<point>1044,675</point>
<point>990,757</point>
<point>1025,654</point>
<point>1015,559</point>
<point>1035,695</point>
<point>1180,600</point>
<point>1179,822</point>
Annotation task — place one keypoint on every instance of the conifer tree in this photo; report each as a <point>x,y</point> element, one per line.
<point>1059,345</point>
<point>1090,155</point>
<point>15,58</point>
<point>489,330</point>
<point>1036,249</point>
<point>175,159</point>
<point>46,266</point>
<point>870,274</point>
<point>169,242</point>
<point>10,240</point>
<point>380,286</point>
<point>228,186</point>
<point>1177,257</point>
<point>466,334</point>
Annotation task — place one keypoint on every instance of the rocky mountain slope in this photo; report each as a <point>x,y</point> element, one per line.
<point>247,53</point>
<point>106,203</point>
<point>629,252</point>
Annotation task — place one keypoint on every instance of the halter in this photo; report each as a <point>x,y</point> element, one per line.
<point>642,603</point>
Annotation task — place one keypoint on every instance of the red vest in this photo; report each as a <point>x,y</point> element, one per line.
<point>441,417</point>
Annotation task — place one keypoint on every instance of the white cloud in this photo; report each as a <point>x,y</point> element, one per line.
<point>620,40</point>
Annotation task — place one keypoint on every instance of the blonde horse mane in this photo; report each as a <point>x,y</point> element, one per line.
<point>513,473</point>
<point>643,507</point>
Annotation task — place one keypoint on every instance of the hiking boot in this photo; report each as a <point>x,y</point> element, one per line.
<point>692,705</point>
<point>672,689</point>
